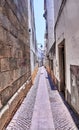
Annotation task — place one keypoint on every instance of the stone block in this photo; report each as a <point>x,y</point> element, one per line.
<point>12,17</point>
<point>25,77</point>
<point>17,99</point>
<point>13,103</point>
<point>2,3</point>
<point>8,111</point>
<point>14,31</point>
<point>0,65</point>
<point>14,51</point>
<point>23,71</point>
<point>6,94</point>
<point>0,103</point>
<point>1,34</point>
<point>4,116</point>
<point>15,86</point>
<point>16,74</point>
<point>5,22</point>
<point>13,63</point>
<point>0,9</point>
<point>21,95</point>
<point>4,64</point>
<point>34,74</point>
<point>11,3</point>
<point>9,39</point>
<point>27,87</point>
<point>5,51</point>
<point>1,50</point>
<point>22,80</point>
<point>5,80</point>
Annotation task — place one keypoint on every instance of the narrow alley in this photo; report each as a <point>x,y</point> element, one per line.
<point>39,64</point>
<point>42,109</point>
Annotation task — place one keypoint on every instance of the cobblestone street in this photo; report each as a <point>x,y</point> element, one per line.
<point>39,65</point>
<point>42,109</point>
<point>22,118</point>
<point>61,116</point>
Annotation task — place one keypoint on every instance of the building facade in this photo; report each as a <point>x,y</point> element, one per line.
<point>32,31</point>
<point>15,69</point>
<point>65,58</point>
<point>49,34</point>
<point>49,16</point>
<point>67,49</point>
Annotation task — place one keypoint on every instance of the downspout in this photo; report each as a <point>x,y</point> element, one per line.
<point>59,13</point>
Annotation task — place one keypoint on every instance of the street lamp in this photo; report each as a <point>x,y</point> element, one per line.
<point>41,55</point>
<point>41,46</point>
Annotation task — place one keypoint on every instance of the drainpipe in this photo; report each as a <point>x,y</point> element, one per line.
<point>59,14</point>
<point>60,11</point>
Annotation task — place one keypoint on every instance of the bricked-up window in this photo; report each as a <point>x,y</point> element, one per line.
<point>74,73</point>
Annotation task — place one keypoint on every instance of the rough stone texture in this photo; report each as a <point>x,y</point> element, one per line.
<point>34,74</point>
<point>61,115</point>
<point>14,47</point>
<point>8,110</point>
<point>75,86</point>
<point>4,114</point>
<point>23,117</point>
<point>32,31</point>
<point>4,64</point>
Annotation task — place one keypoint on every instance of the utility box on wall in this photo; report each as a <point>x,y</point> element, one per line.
<point>74,71</point>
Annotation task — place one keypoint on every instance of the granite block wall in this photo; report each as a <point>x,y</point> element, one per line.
<point>14,47</point>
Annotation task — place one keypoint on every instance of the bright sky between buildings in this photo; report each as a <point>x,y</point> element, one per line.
<point>39,21</point>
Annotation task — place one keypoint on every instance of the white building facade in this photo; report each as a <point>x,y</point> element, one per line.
<point>65,51</point>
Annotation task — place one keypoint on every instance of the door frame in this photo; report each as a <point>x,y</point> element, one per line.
<point>62,83</point>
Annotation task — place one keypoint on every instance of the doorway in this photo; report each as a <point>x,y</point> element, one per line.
<point>51,64</point>
<point>61,48</point>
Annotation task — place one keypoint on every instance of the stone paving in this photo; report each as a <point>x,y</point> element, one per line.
<point>74,115</point>
<point>61,116</point>
<point>42,116</point>
<point>22,118</point>
<point>42,109</point>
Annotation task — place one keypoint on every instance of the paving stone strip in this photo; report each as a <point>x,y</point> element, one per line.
<point>61,116</point>
<point>42,116</point>
<point>22,118</point>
